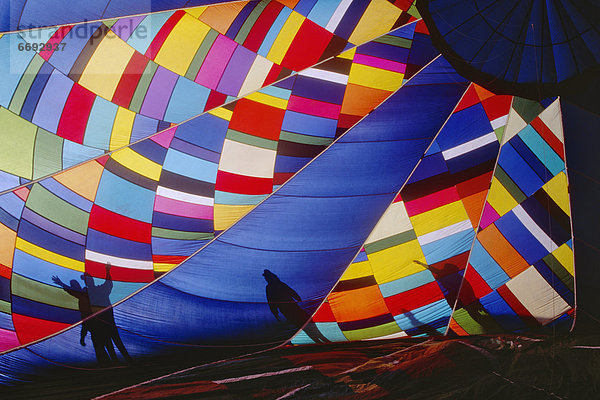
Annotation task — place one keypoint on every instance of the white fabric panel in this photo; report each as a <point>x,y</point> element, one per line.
<point>243,159</point>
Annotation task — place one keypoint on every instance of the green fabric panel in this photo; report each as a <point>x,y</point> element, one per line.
<point>306,139</point>
<point>476,322</point>
<point>560,271</point>
<point>201,54</point>
<point>395,41</point>
<point>47,157</point>
<point>527,109</point>
<point>183,235</point>
<point>5,307</point>
<point>250,21</point>
<point>17,137</point>
<point>57,210</point>
<point>367,333</point>
<point>510,185</point>
<point>391,241</point>
<point>18,99</point>
<point>142,87</point>
<point>251,140</point>
<point>40,292</point>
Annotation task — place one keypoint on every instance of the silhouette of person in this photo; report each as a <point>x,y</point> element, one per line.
<point>102,347</point>
<point>282,298</point>
<point>107,332</point>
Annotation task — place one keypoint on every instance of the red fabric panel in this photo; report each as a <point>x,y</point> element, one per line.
<point>257,119</point>
<point>56,38</point>
<point>410,300</point>
<point>497,106</point>
<point>549,137</point>
<point>262,25</point>
<point>273,74</point>
<point>234,183</point>
<point>215,99</point>
<point>5,271</point>
<point>473,287</point>
<point>324,314</point>
<point>117,273</point>
<point>29,329</point>
<point>307,47</point>
<point>118,225</point>
<point>129,80</point>
<point>449,266</point>
<point>75,114</point>
<point>469,99</point>
<point>474,185</point>
<point>168,259</point>
<point>161,36</point>
<point>432,201</point>
<point>281,177</point>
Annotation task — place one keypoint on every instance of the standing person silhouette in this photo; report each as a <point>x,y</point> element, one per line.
<point>100,296</point>
<point>282,298</point>
<point>102,347</point>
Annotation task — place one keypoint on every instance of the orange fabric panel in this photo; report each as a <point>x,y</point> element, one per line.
<point>357,304</point>
<point>502,251</point>
<point>220,17</point>
<point>457,328</point>
<point>474,206</point>
<point>360,100</point>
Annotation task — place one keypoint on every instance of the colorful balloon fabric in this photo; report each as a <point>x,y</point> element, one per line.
<point>257,172</point>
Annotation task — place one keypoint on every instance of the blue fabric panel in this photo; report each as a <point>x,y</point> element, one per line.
<point>37,269</point>
<point>322,11</point>
<point>146,30</point>
<point>304,6</point>
<point>74,42</point>
<point>385,51</point>
<point>8,181</point>
<point>8,220</point>
<point>4,289</point>
<point>542,150</point>
<point>350,19</point>
<point>133,201</point>
<point>206,131</point>
<point>429,314</point>
<point>447,247</point>
<point>290,163</point>
<point>464,126</point>
<point>75,153</point>
<point>431,165</point>
<point>473,158</point>
<point>186,165</point>
<point>48,241</point>
<point>178,223</point>
<point>501,312</point>
<point>54,12</point>
<point>404,284</point>
<point>534,162</point>
<point>277,91</point>
<point>66,194</point>
<point>12,66</point>
<point>35,91</point>
<point>52,227</point>
<point>546,222</point>
<point>176,247</point>
<point>6,322</point>
<point>309,124</point>
<point>187,100</point>
<point>487,267</point>
<point>118,247</point>
<point>151,150</point>
<point>318,89</point>
<point>100,122</point>
<point>193,150</point>
<point>235,26</point>
<point>520,238</point>
<point>143,127</point>
<point>518,170</point>
<point>34,309</point>
<point>12,204</point>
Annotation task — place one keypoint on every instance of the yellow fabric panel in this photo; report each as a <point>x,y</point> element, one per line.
<point>438,218</point>
<point>7,245</point>
<point>83,180</point>
<point>500,199</point>
<point>137,163</point>
<point>104,70</point>
<point>377,331</point>
<point>378,18</point>
<point>557,190</point>
<point>220,16</point>
<point>286,36</point>
<point>357,304</point>
<point>181,45</point>
<point>196,12</point>
<point>564,255</point>
<point>49,256</point>
<point>376,78</point>
<point>227,214</point>
<point>397,262</point>
<point>358,270</point>
<point>348,54</point>
<point>121,132</point>
<point>163,267</point>
<point>268,100</point>
<point>222,113</point>
<point>17,136</point>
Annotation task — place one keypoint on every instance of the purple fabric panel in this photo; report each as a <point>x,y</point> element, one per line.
<point>158,95</point>
<point>213,66</point>
<point>236,71</point>
<point>124,27</point>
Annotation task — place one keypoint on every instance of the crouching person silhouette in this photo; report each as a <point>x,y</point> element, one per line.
<point>282,298</point>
